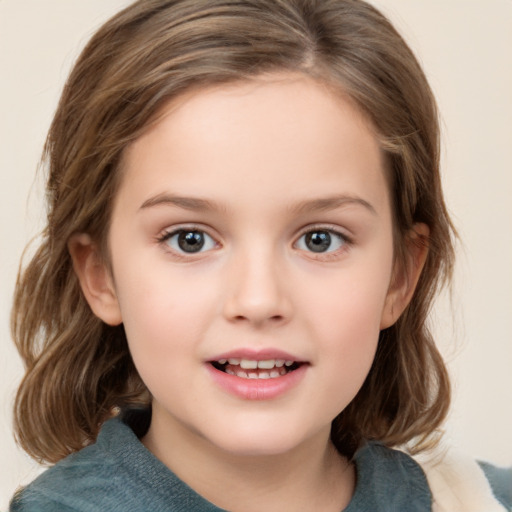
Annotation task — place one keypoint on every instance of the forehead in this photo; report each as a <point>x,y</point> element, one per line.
<point>285,135</point>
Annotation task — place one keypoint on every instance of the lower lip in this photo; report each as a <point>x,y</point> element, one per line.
<point>257,389</point>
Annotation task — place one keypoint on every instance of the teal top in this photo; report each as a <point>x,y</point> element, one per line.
<point>118,473</point>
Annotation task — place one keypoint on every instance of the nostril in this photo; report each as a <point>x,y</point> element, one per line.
<point>275,319</point>
<point>257,308</point>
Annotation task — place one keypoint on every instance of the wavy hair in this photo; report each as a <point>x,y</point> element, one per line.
<point>79,371</point>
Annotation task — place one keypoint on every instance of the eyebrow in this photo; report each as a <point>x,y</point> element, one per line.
<point>331,203</point>
<point>188,203</point>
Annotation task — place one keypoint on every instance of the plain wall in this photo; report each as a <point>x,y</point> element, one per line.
<point>466,49</point>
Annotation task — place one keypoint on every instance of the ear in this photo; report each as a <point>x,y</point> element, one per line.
<point>405,277</point>
<point>95,278</point>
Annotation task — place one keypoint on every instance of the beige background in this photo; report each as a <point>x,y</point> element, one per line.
<point>466,49</point>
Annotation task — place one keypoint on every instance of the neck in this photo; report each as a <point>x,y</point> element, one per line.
<point>311,477</point>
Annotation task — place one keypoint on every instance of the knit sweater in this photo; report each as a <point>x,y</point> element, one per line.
<point>118,473</point>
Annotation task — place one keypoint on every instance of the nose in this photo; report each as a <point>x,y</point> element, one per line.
<point>258,291</point>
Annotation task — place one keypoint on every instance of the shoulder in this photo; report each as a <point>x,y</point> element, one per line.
<point>387,480</point>
<point>459,483</point>
<point>117,474</point>
<point>70,484</point>
<point>500,480</point>
<point>442,481</point>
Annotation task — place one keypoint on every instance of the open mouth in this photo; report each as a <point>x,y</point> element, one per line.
<point>253,369</point>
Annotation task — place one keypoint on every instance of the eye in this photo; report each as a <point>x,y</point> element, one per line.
<point>189,241</point>
<point>321,240</point>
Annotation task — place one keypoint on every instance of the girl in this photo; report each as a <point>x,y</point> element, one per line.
<point>245,232</point>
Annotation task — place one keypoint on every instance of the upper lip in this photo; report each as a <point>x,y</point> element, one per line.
<point>257,355</point>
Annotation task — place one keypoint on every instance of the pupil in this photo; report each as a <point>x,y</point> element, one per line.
<point>318,241</point>
<point>190,241</point>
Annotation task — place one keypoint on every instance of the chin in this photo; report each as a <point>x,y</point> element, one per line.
<point>259,442</point>
<point>252,448</point>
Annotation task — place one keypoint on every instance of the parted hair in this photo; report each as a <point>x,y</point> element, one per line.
<point>79,371</point>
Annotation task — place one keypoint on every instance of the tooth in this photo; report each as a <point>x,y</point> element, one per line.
<point>242,374</point>
<point>252,375</point>
<point>288,363</point>
<point>282,371</point>
<point>234,361</point>
<point>266,365</point>
<point>279,362</point>
<point>248,364</point>
<point>264,375</point>
<point>274,374</point>
<point>222,361</point>
<point>230,371</point>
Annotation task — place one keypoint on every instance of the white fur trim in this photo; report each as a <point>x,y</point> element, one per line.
<point>457,483</point>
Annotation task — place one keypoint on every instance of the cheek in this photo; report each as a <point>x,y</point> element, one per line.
<point>350,327</point>
<point>351,334</point>
<point>353,297</point>
<point>164,312</point>
<point>346,312</point>
<point>163,320</point>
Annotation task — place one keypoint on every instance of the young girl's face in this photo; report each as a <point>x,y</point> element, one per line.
<point>252,228</point>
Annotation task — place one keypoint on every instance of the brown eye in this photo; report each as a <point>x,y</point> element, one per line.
<point>321,240</point>
<point>190,241</point>
<point>318,241</point>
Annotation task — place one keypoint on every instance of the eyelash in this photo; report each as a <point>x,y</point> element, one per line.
<point>346,241</point>
<point>164,238</point>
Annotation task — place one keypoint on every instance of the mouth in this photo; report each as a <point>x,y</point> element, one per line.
<point>265,374</point>
<point>256,369</point>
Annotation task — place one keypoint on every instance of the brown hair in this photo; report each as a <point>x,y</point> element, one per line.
<point>78,369</point>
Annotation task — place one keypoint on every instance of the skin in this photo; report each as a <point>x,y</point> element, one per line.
<point>270,160</point>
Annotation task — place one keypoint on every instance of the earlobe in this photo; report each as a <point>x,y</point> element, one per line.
<point>406,276</point>
<point>95,278</point>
